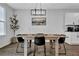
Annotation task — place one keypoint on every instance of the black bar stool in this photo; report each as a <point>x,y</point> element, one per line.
<point>20,41</point>
<point>61,41</point>
<point>39,41</point>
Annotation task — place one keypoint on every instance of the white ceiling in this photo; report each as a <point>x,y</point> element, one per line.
<point>44,5</point>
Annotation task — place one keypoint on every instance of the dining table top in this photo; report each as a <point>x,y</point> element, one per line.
<point>43,34</point>
<point>47,36</point>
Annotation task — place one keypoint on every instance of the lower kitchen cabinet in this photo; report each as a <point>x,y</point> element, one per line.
<point>72,38</point>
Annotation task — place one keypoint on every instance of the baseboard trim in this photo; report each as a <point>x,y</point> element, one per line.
<point>75,44</point>
<point>72,44</point>
<point>5,45</point>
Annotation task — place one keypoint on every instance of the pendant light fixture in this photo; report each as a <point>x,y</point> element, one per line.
<point>38,11</point>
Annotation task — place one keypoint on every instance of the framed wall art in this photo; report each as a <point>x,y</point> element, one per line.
<point>39,21</point>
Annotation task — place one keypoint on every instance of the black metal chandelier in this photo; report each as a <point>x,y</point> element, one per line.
<point>38,11</point>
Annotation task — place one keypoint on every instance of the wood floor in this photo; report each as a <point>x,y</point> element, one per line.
<point>10,50</point>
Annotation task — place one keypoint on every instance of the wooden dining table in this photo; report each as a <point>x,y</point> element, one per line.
<point>47,37</point>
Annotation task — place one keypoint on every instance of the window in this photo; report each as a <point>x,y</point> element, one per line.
<point>2,21</point>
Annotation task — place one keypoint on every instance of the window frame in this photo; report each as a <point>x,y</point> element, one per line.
<point>4,21</point>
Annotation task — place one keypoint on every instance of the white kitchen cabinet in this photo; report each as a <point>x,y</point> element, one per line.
<point>72,38</point>
<point>68,37</point>
<point>71,17</point>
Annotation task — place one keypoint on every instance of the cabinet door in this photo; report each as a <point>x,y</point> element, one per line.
<point>73,38</point>
<point>68,19</point>
<point>68,37</point>
<point>77,37</point>
<point>71,17</point>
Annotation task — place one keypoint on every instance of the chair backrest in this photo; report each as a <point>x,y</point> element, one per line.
<point>20,39</point>
<point>39,39</point>
<point>61,40</point>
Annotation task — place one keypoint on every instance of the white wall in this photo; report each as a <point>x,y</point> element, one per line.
<point>54,22</point>
<point>5,40</point>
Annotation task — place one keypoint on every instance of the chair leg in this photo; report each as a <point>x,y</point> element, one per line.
<point>17,48</point>
<point>22,45</point>
<point>45,50</point>
<point>34,50</point>
<point>37,48</point>
<point>59,46</point>
<point>64,48</point>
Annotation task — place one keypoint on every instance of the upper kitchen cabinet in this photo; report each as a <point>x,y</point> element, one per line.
<point>72,22</point>
<point>72,19</point>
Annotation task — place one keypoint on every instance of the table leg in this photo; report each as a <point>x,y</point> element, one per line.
<point>25,48</point>
<point>29,48</point>
<point>50,46</point>
<point>50,43</point>
<point>56,48</point>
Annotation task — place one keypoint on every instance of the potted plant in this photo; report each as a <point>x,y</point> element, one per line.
<point>14,26</point>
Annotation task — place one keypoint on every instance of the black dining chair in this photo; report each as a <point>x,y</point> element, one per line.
<point>20,41</point>
<point>61,41</point>
<point>39,41</point>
